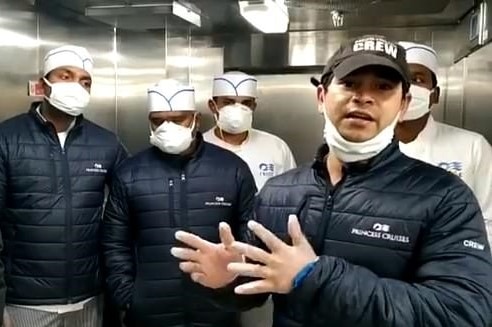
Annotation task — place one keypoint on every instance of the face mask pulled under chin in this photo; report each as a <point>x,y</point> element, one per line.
<point>69,97</point>
<point>420,103</point>
<point>235,119</point>
<point>348,151</point>
<point>172,138</point>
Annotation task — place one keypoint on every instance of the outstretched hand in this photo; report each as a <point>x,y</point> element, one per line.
<point>277,269</point>
<point>206,262</point>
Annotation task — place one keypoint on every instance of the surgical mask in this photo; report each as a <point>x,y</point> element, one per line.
<point>69,97</point>
<point>420,103</point>
<point>348,151</point>
<point>235,119</point>
<point>172,138</point>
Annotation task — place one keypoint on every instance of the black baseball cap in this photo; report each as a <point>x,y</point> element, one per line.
<point>368,50</point>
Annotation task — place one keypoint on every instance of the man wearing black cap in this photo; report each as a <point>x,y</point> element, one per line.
<point>386,240</point>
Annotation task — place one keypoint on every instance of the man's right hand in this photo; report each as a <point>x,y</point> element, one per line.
<point>207,262</point>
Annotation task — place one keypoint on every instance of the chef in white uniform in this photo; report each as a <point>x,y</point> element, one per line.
<point>233,103</point>
<point>462,152</point>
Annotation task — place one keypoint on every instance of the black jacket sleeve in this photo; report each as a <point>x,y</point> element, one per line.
<point>121,155</point>
<point>452,284</point>
<point>117,243</point>
<point>3,192</point>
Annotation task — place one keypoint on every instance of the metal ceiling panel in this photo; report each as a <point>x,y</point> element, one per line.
<point>383,7</point>
<point>222,16</point>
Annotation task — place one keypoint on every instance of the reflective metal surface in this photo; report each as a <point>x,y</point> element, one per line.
<point>477,115</point>
<point>128,62</point>
<point>287,107</point>
<point>453,113</point>
<point>142,62</point>
<point>295,49</point>
<point>19,56</point>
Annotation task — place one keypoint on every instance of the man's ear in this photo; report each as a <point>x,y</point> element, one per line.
<point>46,87</point>
<point>404,106</point>
<point>435,95</point>
<point>212,106</point>
<point>254,105</point>
<point>198,120</point>
<point>320,95</point>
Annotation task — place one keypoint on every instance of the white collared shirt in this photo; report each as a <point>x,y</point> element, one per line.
<point>266,154</point>
<point>62,136</point>
<point>462,152</point>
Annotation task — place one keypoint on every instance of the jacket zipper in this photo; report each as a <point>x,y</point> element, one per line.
<point>54,178</point>
<point>183,206</point>
<point>184,225</point>
<point>67,193</point>
<point>172,217</point>
<point>330,193</point>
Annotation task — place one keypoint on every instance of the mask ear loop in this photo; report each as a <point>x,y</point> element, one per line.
<point>48,98</point>
<point>193,124</point>
<point>216,118</point>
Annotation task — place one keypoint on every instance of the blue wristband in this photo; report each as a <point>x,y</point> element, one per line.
<point>301,275</point>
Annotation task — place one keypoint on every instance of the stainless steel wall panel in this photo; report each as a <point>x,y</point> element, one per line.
<point>287,107</point>
<point>206,62</point>
<point>315,47</point>
<point>454,98</point>
<point>477,115</point>
<point>18,53</point>
<point>141,64</point>
<point>178,54</point>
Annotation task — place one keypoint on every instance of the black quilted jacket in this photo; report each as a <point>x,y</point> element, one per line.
<point>51,202</point>
<point>401,244</point>
<point>153,196</point>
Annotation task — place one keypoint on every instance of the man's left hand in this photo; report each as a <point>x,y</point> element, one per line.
<point>277,269</point>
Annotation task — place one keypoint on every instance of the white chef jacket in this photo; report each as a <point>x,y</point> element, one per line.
<point>266,154</point>
<point>462,152</point>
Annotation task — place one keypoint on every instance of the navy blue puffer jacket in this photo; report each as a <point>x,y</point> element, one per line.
<point>154,195</point>
<point>51,202</point>
<point>401,243</point>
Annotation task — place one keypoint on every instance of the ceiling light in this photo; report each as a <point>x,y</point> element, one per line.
<point>337,18</point>
<point>185,11</point>
<point>180,8</point>
<point>268,16</point>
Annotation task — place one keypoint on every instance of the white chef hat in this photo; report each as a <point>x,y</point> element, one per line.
<point>68,55</point>
<point>170,95</point>
<point>421,54</point>
<point>234,84</point>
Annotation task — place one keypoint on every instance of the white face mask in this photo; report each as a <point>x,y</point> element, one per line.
<point>69,97</point>
<point>172,138</point>
<point>235,118</point>
<point>348,151</point>
<point>420,103</point>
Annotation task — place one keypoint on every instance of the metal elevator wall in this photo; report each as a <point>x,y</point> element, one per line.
<point>127,62</point>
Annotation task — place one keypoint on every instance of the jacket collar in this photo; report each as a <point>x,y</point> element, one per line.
<point>387,156</point>
<point>33,112</point>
